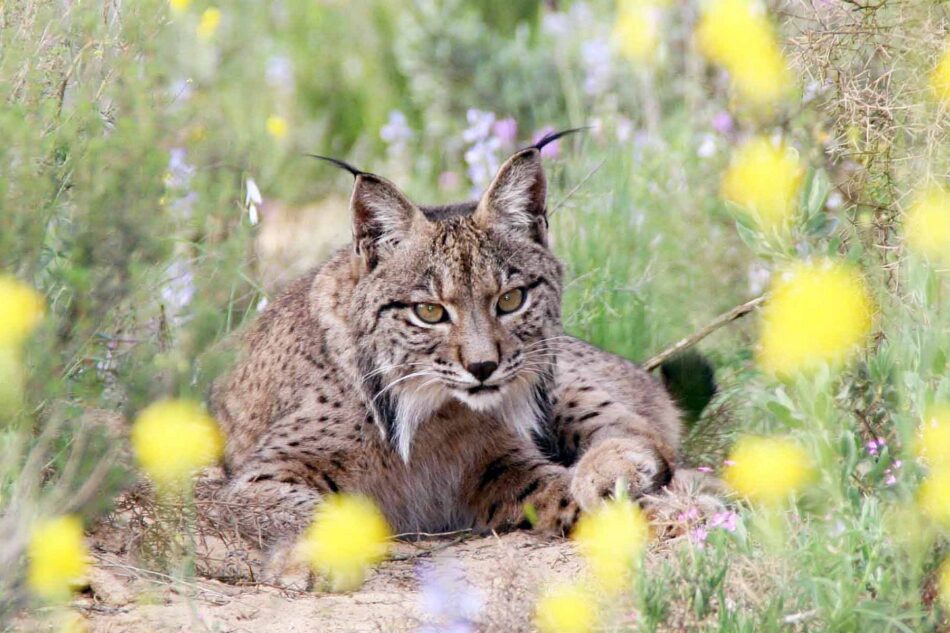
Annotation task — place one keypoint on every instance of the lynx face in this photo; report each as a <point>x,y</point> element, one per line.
<point>462,307</point>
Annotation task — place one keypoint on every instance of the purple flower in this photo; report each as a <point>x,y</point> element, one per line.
<point>449,603</point>
<point>704,469</point>
<point>178,290</point>
<point>726,520</point>
<point>505,130</point>
<point>596,57</point>
<point>180,198</point>
<point>396,133</point>
<point>722,122</point>
<point>479,125</point>
<point>698,536</point>
<point>874,446</point>
<point>482,155</point>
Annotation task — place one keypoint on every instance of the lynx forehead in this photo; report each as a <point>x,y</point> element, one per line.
<point>425,365</point>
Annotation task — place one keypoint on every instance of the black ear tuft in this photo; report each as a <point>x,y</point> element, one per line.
<point>341,164</point>
<point>553,136</point>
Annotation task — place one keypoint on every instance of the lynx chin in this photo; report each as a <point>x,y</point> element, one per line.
<point>425,366</point>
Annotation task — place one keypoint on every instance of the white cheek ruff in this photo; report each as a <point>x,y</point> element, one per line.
<point>414,405</point>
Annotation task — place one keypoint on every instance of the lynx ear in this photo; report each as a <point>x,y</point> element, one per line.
<point>382,217</point>
<point>515,200</point>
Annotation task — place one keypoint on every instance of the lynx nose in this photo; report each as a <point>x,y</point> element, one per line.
<point>482,370</point>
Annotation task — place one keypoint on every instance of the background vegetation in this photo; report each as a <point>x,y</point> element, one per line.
<point>152,156</point>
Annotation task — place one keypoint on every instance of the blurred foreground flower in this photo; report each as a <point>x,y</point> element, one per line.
<point>940,77</point>
<point>276,126</point>
<point>57,558</point>
<point>767,469</point>
<point>933,445</point>
<point>636,32</point>
<point>21,309</point>
<point>179,6</point>
<point>611,539</point>
<point>733,34</point>
<point>173,440</point>
<point>764,179</point>
<point>348,535</point>
<point>927,224</point>
<point>565,609</point>
<point>817,312</point>
<point>208,24</point>
<point>934,496</point>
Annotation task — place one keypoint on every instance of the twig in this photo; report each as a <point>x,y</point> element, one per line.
<point>721,320</point>
<point>574,189</point>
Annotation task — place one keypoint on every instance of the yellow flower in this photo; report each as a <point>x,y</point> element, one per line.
<point>348,535</point>
<point>943,583</point>
<point>174,439</point>
<point>179,6</point>
<point>765,179</point>
<point>57,557</point>
<point>940,77</point>
<point>276,126</point>
<point>933,445</point>
<point>209,22</point>
<point>732,34</point>
<point>816,313</point>
<point>767,469</point>
<point>21,309</point>
<point>934,496</point>
<point>565,609</point>
<point>611,540</point>
<point>636,33</point>
<point>927,224</point>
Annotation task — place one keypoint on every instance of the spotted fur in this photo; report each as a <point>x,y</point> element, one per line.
<point>343,387</point>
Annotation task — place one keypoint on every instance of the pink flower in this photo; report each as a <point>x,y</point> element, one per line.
<point>704,469</point>
<point>506,130</point>
<point>698,535</point>
<point>722,122</point>
<point>448,181</point>
<point>726,520</point>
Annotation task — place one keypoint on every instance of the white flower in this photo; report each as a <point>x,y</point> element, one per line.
<point>280,73</point>
<point>707,147</point>
<point>252,200</point>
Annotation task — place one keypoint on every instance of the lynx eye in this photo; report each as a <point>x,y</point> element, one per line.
<point>430,312</point>
<point>511,300</point>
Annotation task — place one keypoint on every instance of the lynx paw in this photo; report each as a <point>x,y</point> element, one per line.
<point>634,460</point>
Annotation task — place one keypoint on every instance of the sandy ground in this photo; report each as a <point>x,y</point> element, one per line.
<point>502,573</point>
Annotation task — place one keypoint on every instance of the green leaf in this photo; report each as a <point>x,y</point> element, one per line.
<point>816,192</point>
<point>749,236</point>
